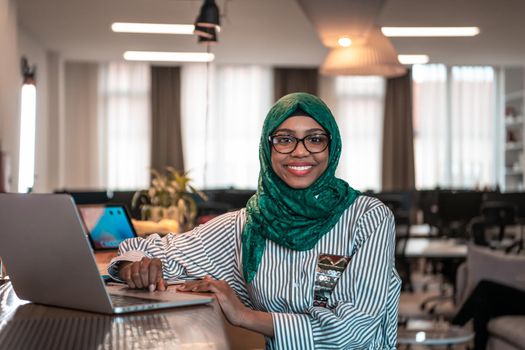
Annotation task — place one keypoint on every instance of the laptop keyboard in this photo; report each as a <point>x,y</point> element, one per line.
<point>126,300</point>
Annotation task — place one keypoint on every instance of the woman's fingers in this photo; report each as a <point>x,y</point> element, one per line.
<point>124,272</point>
<point>146,273</point>
<point>155,276</point>
<point>135,275</point>
<point>161,285</point>
<point>230,304</point>
<point>196,286</point>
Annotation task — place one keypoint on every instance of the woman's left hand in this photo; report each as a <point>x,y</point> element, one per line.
<point>233,308</point>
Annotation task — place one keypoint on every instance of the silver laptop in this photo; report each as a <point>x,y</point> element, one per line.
<point>50,261</point>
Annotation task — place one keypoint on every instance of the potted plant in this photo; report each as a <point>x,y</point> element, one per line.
<point>169,197</point>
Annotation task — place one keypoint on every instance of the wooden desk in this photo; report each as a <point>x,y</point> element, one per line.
<point>30,326</point>
<point>419,231</point>
<point>423,230</point>
<point>435,248</point>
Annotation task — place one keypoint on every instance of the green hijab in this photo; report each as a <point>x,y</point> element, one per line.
<point>293,218</point>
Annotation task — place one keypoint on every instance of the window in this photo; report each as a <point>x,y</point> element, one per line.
<point>26,166</point>
<point>124,119</point>
<point>358,105</point>
<point>455,126</point>
<point>240,97</point>
<point>226,152</point>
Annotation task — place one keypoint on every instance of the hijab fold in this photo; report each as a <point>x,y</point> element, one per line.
<point>293,218</point>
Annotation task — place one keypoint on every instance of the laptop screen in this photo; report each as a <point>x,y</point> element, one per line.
<point>107,225</point>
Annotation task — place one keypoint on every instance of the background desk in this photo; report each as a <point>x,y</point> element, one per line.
<point>435,248</point>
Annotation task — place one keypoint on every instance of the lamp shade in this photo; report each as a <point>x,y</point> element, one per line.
<point>376,56</point>
<point>209,15</point>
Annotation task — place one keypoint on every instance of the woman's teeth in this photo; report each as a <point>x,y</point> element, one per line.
<point>303,167</point>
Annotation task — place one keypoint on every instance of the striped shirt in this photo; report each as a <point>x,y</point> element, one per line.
<point>361,312</point>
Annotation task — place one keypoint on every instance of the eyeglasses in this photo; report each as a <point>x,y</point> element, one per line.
<point>286,144</point>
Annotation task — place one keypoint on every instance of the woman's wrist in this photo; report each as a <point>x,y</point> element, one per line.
<point>244,318</point>
<point>257,321</point>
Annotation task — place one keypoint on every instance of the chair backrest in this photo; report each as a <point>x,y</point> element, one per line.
<point>486,264</point>
<point>494,214</point>
<point>476,229</point>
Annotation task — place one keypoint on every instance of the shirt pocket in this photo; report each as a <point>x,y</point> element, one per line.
<point>327,273</point>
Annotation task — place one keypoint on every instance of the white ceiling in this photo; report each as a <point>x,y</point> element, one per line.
<point>275,32</point>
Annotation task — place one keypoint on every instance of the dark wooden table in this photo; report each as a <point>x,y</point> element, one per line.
<point>30,326</point>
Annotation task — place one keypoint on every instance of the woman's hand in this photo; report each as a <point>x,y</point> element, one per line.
<point>146,273</point>
<point>232,307</point>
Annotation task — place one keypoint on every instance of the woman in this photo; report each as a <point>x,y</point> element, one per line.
<point>308,263</point>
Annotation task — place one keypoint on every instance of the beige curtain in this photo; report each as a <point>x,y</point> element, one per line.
<point>81,147</point>
<point>288,80</point>
<point>398,136</point>
<point>166,147</point>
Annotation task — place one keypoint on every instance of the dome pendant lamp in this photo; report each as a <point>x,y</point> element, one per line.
<point>376,56</point>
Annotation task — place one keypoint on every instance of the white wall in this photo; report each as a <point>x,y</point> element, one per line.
<point>63,140</point>
<point>10,82</point>
<point>15,43</point>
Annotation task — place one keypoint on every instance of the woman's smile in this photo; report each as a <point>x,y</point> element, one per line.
<point>299,169</point>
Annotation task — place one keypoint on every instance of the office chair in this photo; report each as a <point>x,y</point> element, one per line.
<point>495,215</point>
<point>455,210</point>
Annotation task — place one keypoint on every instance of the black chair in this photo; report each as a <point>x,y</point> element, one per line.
<point>518,200</point>
<point>454,211</point>
<point>495,215</point>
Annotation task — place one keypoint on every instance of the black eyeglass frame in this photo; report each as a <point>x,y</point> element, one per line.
<point>297,140</point>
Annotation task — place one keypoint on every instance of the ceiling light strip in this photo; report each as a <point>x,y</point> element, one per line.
<point>160,56</point>
<point>413,59</point>
<point>152,28</point>
<point>429,31</point>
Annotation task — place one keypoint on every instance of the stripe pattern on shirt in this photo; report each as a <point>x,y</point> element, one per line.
<point>362,310</point>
